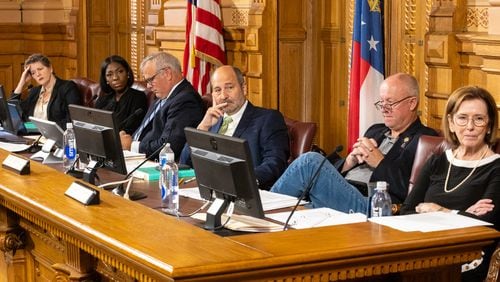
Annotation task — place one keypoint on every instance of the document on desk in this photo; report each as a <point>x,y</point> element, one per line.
<point>270,201</point>
<point>245,223</point>
<point>14,147</point>
<point>309,218</point>
<point>128,155</point>
<point>428,222</point>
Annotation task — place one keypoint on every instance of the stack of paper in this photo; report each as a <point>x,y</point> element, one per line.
<point>427,222</point>
<point>270,201</point>
<point>309,218</point>
<point>245,223</point>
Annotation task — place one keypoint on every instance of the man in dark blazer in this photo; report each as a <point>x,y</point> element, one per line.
<point>177,106</point>
<point>264,129</point>
<point>385,153</point>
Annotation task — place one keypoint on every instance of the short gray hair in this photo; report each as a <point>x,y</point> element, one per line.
<point>163,60</point>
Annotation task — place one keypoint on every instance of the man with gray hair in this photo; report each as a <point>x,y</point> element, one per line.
<point>385,153</point>
<point>177,106</point>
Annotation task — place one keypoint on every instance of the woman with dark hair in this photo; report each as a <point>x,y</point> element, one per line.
<point>50,99</point>
<point>466,178</point>
<point>116,80</point>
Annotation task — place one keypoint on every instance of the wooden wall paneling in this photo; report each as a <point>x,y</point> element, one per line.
<point>268,47</point>
<point>294,57</point>
<point>330,84</point>
<point>447,19</point>
<point>101,34</point>
<point>123,29</point>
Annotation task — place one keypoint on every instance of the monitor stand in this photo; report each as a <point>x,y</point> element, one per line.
<point>45,154</point>
<point>215,212</point>
<point>90,174</point>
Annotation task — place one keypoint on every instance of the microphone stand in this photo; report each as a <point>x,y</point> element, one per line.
<point>309,187</point>
<point>132,195</point>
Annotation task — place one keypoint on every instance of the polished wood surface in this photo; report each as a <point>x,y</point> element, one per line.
<point>120,240</point>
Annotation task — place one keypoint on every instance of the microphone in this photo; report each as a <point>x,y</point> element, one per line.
<point>135,114</point>
<point>135,195</point>
<point>309,185</point>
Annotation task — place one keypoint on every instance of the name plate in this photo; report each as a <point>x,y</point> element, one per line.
<point>17,164</point>
<point>83,193</point>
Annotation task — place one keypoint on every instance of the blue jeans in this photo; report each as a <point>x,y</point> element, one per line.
<point>330,189</point>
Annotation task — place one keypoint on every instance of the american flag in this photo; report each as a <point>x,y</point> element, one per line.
<point>367,68</point>
<point>204,42</point>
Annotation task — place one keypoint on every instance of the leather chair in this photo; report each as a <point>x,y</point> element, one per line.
<point>301,137</point>
<point>89,90</point>
<point>141,86</point>
<point>207,100</point>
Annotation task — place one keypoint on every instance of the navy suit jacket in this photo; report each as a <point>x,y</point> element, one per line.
<point>65,92</point>
<point>267,136</point>
<point>183,108</point>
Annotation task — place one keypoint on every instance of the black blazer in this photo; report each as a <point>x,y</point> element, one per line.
<point>65,92</point>
<point>183,108</point>
<point>129,103</point>
<point>395,168</point>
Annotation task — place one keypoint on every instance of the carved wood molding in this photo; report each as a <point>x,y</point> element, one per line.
<point>51,233</point>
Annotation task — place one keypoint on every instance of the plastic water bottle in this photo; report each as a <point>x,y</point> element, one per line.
<point>381,201</point>
<point>69,143</point>
<point>169,181</point>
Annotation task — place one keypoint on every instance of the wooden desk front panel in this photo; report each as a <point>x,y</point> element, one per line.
<point>124,240</point>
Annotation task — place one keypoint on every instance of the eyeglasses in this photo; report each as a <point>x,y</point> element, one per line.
<point>463,120</point>
<point>152,78</point>
<point>389,107</point>
<point>227,89</point>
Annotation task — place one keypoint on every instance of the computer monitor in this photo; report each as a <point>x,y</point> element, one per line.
<point>5,118</point>
<point>54,140</point>
<point>224,168</point>
<point>97,140</point>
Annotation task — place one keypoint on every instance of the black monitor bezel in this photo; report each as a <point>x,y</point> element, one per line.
<point>246,187</point>
<point>81,115</point>
<point>5,117</point>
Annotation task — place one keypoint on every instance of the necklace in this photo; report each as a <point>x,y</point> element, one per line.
<point>467,177</point>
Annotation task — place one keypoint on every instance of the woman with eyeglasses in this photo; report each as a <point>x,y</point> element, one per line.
<point>466,178</point>
<point>48,100</point>
<point>116,80</point>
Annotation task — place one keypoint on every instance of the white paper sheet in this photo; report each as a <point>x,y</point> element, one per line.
<point>309,218</point>
<point>12,147</point>
<point>427,222</point>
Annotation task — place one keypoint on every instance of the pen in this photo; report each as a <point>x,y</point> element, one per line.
<point>190,180</point>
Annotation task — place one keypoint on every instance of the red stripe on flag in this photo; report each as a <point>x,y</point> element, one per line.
<point>204,42</point>
<point>209,19</point>
<point>210,49</point>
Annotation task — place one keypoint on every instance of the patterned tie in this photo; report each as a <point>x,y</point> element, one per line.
<point>157,107</point>
<point>225,123</point>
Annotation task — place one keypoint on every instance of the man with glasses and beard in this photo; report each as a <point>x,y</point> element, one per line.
<point>385,153</point>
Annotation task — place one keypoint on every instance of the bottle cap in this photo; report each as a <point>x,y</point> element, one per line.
<point>69,125</point>
<point>381,185</point>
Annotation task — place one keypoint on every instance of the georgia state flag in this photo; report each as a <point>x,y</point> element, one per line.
<point>367,68</point>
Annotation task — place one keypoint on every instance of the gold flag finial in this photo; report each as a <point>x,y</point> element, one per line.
<point>374,5</point>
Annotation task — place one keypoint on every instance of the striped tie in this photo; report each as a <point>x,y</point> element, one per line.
<point>158,104</point>
<point>225,124</point>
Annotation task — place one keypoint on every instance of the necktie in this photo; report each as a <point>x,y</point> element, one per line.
<point>225,123</point>
<point>147,120</point>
